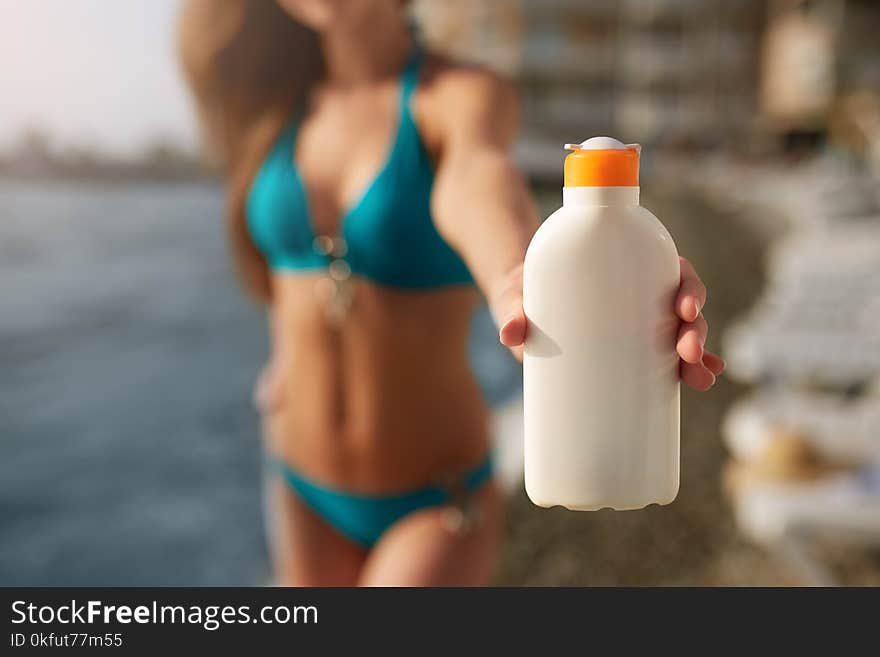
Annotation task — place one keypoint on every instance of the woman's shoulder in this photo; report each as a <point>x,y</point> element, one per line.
<point>452,81</point>
<point>456,95</point>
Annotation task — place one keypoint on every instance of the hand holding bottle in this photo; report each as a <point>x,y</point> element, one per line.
<point>699,368</point>
<point>614,323</point>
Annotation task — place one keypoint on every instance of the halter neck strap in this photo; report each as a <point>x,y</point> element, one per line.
<point>412,70</point>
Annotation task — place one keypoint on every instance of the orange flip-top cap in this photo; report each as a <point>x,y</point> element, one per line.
<point>588,166</point>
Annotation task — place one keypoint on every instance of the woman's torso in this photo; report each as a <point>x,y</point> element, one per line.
<point>369,341</point>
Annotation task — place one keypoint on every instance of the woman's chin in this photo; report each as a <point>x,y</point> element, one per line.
<point>318,15</point>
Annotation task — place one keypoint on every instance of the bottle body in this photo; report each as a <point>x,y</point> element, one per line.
<point>601,391</point>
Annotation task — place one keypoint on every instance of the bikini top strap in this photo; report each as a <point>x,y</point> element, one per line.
<point>411,73</point>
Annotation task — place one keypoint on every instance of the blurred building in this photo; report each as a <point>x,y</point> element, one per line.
<point>859,51</point>
<point>670,71</point>
<point>821,72</point>
<point>798,73</point>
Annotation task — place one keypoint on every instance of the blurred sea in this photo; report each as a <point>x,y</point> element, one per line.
<point>129,449</point>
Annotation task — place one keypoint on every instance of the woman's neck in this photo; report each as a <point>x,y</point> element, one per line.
<point>374,48</point>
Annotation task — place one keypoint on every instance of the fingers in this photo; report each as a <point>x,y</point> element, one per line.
<point>691,293</point>
<point>507,308</point>
<point>699,368</point>
<point>697,376</point>
<point>513,329</point>
<point>691,338</point>
<point>713,363</point>
<point>261,395</point>
<point>266,395</point>
<point>703,374</point>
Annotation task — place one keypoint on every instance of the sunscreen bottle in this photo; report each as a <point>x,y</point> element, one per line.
<point>601,390</point>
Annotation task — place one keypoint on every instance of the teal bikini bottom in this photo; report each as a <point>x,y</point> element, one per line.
<point>364,518</point>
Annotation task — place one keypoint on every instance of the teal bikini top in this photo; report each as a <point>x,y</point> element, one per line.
<point>388,235</point>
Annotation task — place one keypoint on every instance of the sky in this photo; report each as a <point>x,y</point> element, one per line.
<point>97,73</point>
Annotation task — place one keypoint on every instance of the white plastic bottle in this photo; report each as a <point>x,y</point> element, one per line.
<point>600,369</point>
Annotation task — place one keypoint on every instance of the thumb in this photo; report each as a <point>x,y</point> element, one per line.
<point>513,329</point>
<point>507,308</point>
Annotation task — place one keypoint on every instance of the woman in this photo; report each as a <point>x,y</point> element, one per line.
<point>372,200</point>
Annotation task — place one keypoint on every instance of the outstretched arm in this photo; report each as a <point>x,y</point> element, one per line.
<point>483,208</point>
<point>481,203</point>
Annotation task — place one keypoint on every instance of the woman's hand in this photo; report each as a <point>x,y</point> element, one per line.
<point>698,368</point>
<point>482,207</point>
<point>506,305</point>
<point>267,392</point>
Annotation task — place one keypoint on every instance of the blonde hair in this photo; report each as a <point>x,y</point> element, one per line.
<point>249,66</point>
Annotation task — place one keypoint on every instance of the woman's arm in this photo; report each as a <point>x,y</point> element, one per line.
<point>483,208</point>
<point>481,203</point>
